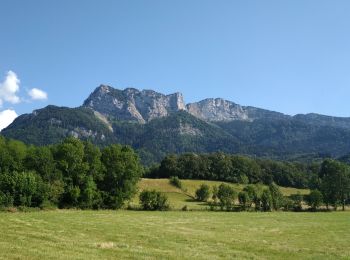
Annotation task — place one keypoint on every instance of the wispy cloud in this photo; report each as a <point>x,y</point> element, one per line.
<point>9,89</point>
<point>37,94</point>
<point>6,118</point>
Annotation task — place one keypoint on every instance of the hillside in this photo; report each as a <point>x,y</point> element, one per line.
<point>156,124</point>
<point>185,196</point>
<point>52,124</point>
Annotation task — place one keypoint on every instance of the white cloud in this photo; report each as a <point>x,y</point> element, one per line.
<point>6,118</point>
<point>9,88</point>
<point>37,94</point>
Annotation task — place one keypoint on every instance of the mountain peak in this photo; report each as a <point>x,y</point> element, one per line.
<point>142,106</point>
<point>103,88</point>
<point>132,104</point>
<point>210,125</point>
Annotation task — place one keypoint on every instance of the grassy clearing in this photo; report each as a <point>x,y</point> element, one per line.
<point>185,197</point>
<point>69,234</point>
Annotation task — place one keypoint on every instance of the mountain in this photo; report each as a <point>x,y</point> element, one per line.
<point>156,124</point>
<point>133,105</point>
<point>220,110</point>
<point>52,124</point>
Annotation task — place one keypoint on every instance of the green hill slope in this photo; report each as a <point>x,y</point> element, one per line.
<point>179,198</point>
<point>52,124</point>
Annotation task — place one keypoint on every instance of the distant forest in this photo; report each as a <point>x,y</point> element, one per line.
<point>237,169</point>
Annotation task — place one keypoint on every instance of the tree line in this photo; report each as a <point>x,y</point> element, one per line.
<point>237,169</point>
<point>329,181</point>
<point>255,197</point>
<point>78,174</point>
<point>69,174</point>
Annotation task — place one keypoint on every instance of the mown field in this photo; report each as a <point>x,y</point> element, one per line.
<point>71,234</point>
<point>185,196</point>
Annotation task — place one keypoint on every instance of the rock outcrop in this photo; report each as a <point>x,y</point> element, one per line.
<point>217,110</point>
<point>142,106</point>
<point>133,105</point>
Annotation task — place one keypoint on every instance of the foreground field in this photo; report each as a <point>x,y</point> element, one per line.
<point>185,197</point>
<point>73,234</point>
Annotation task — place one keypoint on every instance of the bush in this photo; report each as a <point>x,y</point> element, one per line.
<point>297,201</point>
<point>48,205</point>
<point>314,199</point>
<point>250,190</point>
<point>175,181</point>
<point>288,204</point>
<point>215,194</point>
<point>6,199</point>
<point>21,189</point>
<point>276,195</point>
<point>153,200</point>
<point>254,192</point>
<point>266,200</point>
<point>203,193</point>
<point>226,196</point>
<point>244,199</point>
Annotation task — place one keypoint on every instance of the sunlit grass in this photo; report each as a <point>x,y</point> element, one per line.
<point>69,234</point>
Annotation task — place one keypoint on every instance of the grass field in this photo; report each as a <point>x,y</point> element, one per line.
<point>70,234</point>
<point>179,198</point>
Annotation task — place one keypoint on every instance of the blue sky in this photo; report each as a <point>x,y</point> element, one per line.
<point>289,56</point>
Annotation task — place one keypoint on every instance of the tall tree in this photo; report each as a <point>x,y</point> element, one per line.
<point>122,171</point>
<point>335,182</point>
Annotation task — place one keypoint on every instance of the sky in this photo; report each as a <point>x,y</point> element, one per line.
<point>289,56</point>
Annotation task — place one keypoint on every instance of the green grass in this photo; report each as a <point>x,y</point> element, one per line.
<point>70,234</point>
<point>185,197</point>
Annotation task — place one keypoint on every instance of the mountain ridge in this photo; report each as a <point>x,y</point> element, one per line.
<point>144,105</point>
<point>156,124</point>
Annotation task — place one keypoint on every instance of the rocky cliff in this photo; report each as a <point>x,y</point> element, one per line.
<point>133,105</point>
<point>144,105</point>
<point>218,110</point>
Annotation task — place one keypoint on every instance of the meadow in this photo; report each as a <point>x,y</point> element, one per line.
<point>178,198</point>
<point>175,234</point>
<point>74,234</point>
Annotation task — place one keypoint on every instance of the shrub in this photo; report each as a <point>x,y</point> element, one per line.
<point>212,206</point>
<point>314,199</point>
<point>48,205</point>
<point>255,192</point>
<point>203,192</point>
<point>297,201</point>
<point>215,194</point>
<point>21,189</point>
<point>226,196</point>
<point>244,199</point>
<point>266,200</point>
<point>6,199</point>
<point>288,204</point>
<point>276,195</point>
<point>250,191</point>
<point>175,181</point>
<point>153,200</point>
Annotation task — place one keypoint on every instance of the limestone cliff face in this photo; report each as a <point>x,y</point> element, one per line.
<point>218,110</point>
<point>134,105</point>
<point>142,106</point>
